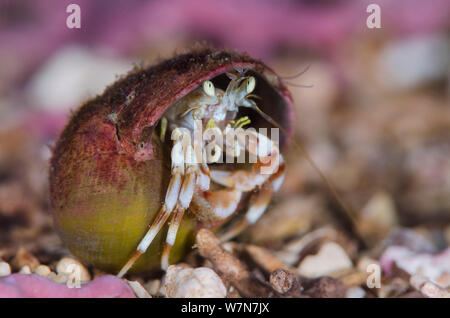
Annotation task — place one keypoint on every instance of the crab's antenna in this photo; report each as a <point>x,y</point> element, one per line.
<point>298,74</point>
<point>298,85</point>
<point>286,78</point>
<point>189,110</point>
<point>348,213</point>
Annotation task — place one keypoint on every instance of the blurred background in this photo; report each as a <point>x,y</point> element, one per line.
<point>376,119</point>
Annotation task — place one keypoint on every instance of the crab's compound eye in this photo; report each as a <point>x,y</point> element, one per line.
<point>208,88</point>
<point>251,83</point>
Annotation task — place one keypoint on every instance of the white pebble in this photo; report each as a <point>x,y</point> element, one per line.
<point>202,282</point>
<point>138,289</point>
<point>42,270</point>
<point>433,291</point>
<point>331,258</point>
<point>413,61</point>
<point>25,270</point>
<point>58,278</point>
<point>50,87</point>
<point>5,269</point>
<point>73,268</point>
<point>355,292</point>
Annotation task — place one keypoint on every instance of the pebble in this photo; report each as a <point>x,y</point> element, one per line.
<point>25,258</point>
<point>363,264</point>
<point>5,269</point>
<point>408,238</point>
<point>331,258</point>
<point>393,288</point>
<point>432,266</point>
<point>377,217</point>
<point>201,282</point>
<point>58,278</point>
<point>327,287</point>
<point>447,231</point>
<point>138,289</point>
<point>428,288</point>
<point>265,259</point>
<point>355,292</point>
<point>433,291</point>
<point>353,278</point>
<point>286,219</point>
<point>443,280</point>
<point>285,283</point>
<point>153,286</point>
<point>98,71</point>
<point>413,61</point>
<point>70,266</point>
<point>25,270</point>
<point>42,270</point>
<point>291,251</point>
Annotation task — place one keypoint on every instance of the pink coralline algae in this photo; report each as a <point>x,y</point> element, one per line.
<point>34,286</point>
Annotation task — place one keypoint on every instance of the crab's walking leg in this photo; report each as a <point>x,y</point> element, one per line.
<point>258,205</point>
<point>269,180</point>
<point>197,177</point>
<point>173,190</point>
<point>162,135</point>
<point>171,235</point>
<point>213,207</point>
<point>184,200</point>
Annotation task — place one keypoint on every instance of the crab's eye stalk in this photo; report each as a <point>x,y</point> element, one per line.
<point>208,88</point>
<point>251,83</point>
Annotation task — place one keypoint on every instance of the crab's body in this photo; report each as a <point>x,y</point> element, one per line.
<point>197,105</point>
<point>111,177</point>
<point>208,107</point>
<point>207,103</point>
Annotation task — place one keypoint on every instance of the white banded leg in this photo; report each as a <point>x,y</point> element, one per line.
<point>214,207</point>
<point>258,204</point>
<point>184,200</point>
<point>267,152</point>
<point>242,180</point>
<point>175,222</point>
<point>268,178</point>
<point>173,190</point>
<point>203,174</point>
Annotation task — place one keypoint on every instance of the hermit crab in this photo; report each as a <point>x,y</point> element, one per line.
<point>131,180</point>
